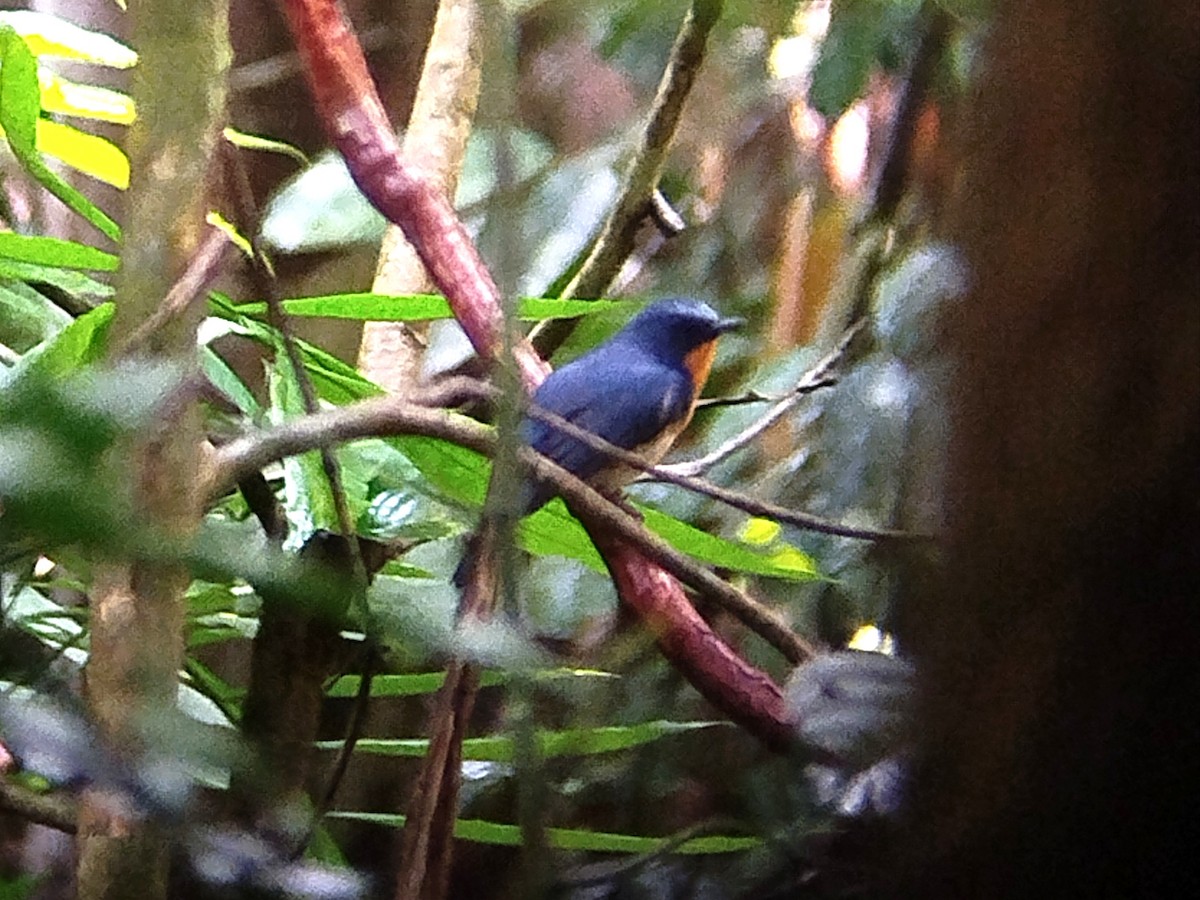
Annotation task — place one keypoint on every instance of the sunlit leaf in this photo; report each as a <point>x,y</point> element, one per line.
<point>216,220</point>
<point>85,101</point>
<point>87,153</point>
<point>49,35</point>
<point>760,532</point>
<point>787,563</point>
<point>267,145</point>
<point>20,106</point>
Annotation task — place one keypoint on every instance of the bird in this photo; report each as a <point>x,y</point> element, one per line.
<point>637,390</point>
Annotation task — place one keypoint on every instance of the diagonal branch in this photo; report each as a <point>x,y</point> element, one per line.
<point>816,377</point>
<point>384,416</point>
<point>354,118</point>
<point>639,196</point>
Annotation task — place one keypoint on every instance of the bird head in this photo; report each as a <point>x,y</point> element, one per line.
<point>676,329</point>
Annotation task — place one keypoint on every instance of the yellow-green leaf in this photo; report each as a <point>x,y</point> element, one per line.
<point>85,101</point>
<point>49,35</point>
<point>87,153</point>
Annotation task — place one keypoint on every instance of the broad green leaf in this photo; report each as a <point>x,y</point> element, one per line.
<point>87,153</point>
<point>267,145</point>
<point>483,832</point>
<point>49,251</point>
<point>553,531</point>
<point>20,107</point>
<point>403,685</point>
<point>787,562</point>
<point>862,34</point>
<point>73,282</point>
<point>572,742</point>
<point>85,101</point>
<point>49,35</point>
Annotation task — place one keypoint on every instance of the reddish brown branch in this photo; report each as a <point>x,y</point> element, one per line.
<point>354,119</point>
<point>744,693</point>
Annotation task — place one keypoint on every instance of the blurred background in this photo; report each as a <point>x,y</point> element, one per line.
<point>792,220</point>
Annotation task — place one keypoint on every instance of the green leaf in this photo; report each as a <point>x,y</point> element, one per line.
<point>27,318</point>
<point>80,343</point>
<point>49,251</point>
<point>788,562</point>
<point>84,101</point>
<point>72,282</point>
<point>412,685</point>
<point>267,145</point>
<point>572,742</point>
<point>86,153</point>
<point>20,107</point>
<point>49,35</point>
<point>422,307</point>
<point>334,380</point>
<point>307,495</point>
<point>553,531</point>
<point>845,61</point>
<point>496,833</point>
<point>862,34</point>
<point>428,682</point>
<point>228,383</point>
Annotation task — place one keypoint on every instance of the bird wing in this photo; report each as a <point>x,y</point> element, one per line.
<point>627,402</point>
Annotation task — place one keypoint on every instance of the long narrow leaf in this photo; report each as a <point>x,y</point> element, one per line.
<point>87,153</point>
<point>572,742</point>
<point>85,101</point>
<point>47,251</point>
<point>500,834</point>
<point>49,35</point>
<point>20,109</point>
<point>421,307</point>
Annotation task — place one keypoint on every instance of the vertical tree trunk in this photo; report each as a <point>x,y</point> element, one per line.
<point>137,611</point>
<point>1057,642</point>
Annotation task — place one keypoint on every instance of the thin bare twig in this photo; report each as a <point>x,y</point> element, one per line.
<point>203,268</point>
<point>384,416</point>
<point>645,172</point>
<point>638,195</point>
<point>737,500</point>
<point>818,376</point>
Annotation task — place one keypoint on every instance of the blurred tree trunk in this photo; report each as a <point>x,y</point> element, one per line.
<point>1057,642</point>
<point>137,609</point>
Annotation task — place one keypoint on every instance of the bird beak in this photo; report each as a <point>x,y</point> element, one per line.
<point>733,322</point>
